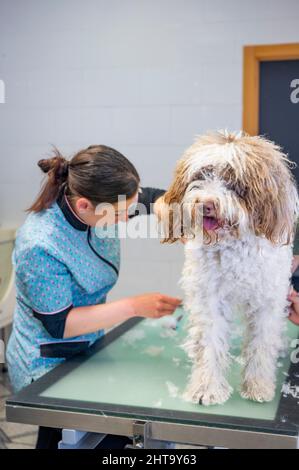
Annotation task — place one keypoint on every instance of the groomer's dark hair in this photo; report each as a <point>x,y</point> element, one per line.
<point>98,173</point>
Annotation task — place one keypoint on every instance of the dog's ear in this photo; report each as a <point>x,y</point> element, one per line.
<point>179,184</point>
<point>271,197</point>
<point>171,216</point>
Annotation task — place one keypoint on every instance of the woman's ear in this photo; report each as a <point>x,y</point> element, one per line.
<point>83,205</point>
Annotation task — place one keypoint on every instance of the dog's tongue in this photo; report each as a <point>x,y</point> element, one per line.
<point>210,223</point>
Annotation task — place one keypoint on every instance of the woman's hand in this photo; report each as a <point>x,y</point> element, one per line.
<point>294,307</point>
<point>154,305</point>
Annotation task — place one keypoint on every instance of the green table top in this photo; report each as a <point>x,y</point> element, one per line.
<point>146,367</point>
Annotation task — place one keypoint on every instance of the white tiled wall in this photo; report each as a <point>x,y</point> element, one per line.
<point>142,76</point>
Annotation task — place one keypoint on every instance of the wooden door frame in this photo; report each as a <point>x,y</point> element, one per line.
<point>252,56</point>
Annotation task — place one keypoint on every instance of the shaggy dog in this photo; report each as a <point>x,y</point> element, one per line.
<point>235,201</point>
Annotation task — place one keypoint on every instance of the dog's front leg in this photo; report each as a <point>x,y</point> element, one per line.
<point>265,339</point>
<point>207,346</point>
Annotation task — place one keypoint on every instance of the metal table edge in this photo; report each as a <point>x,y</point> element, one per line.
<point>158,430</point>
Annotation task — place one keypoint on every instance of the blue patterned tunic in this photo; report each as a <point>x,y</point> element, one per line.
<point>60,263</point>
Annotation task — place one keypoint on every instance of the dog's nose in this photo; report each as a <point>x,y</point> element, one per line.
<point>208,208</point>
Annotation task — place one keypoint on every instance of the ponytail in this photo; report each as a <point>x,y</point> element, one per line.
<point>57,170</point>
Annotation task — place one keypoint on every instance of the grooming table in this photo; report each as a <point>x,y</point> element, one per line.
<point>130,382</point>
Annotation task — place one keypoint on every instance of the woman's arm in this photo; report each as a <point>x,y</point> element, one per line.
<point>83,320</point>
<point>148,198</point>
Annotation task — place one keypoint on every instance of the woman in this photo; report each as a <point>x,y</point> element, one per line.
<point>64,271</point>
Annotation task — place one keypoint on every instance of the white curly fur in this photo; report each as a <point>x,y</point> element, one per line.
<point>243,270</point>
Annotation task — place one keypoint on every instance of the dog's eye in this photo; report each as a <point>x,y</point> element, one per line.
<point>239,190</point>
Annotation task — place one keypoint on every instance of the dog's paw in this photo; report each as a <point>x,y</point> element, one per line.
<point>215,394</point>
<point>258,390</point>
